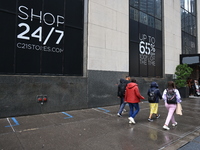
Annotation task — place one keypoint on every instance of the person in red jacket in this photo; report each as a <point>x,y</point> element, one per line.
<point>132,97</point>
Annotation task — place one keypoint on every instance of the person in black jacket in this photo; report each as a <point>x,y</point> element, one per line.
<point>121,94</point>
<point>154,105</point>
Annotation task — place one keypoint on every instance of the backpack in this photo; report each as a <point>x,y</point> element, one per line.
<point>152,96</point>
<point>171,97</point>
<point>122,89</point>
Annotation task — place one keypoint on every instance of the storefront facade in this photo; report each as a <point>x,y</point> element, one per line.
<point>75,52</point>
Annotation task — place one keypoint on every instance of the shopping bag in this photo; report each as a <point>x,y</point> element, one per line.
<point>179,109</point>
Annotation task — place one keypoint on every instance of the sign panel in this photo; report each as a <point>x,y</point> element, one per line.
<point>38,33</point>
<point>145,51</point>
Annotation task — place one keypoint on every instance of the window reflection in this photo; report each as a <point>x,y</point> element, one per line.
<point>158,24</point>
<point>143,18</point>
<point>143,5</point>
<point>188,26</point>
<point>158,9</point>
<point>134,3</point>
<point>145,11</point>
<point>150,7</point>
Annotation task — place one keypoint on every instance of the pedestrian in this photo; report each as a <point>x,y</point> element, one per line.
<point>171,94</point>
<point>156,95</point>
<point>121,94</point>
<point>132,97</point>
<point>196,83</point>
<point>128,78</point>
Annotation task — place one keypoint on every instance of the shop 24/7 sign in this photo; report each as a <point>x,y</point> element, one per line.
<point>28,17</point>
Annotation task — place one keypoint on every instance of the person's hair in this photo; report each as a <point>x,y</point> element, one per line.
<point>171,85</point>
<point>133,80</point>
<point>128,78</point>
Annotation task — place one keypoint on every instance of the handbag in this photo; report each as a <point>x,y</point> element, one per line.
<point>179,109</point>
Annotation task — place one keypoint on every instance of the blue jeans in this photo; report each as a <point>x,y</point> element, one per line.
<point>123,104</point>
<point>133,113</point>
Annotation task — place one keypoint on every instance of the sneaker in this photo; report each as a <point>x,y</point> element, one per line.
<point>174,124</point>
<point>166,127</point>
<point>150,120</point>
<point>158,116</point>
<point>119,115</point>
<point>130,122</point>
<point>124,110</point>
<point>131,119</point>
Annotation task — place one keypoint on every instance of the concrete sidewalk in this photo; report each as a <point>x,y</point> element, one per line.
<point>101,129</point>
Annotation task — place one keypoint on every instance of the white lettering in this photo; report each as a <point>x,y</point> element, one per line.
<point>20,10</point>
<point>52,16</point>
<point>58,19</point>
<point>36,16</point>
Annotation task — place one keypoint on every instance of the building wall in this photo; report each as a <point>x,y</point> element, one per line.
<point>198,26</point>
<point>18,94</point>
<point>108,52</point>
<point>108,47</point>
<point>172,35</point>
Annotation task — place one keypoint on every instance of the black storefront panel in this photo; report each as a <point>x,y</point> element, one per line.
<point>72,62</point>
<point>7,42</point>
<point>146,51</point>
<point>134,59</point>
<point>73,13</point>
<point>8,5</point>
<point>133,31</point>
<point>38,32</point>
<point>158,63</point>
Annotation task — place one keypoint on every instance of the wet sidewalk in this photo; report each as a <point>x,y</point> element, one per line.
<point>101,129</point>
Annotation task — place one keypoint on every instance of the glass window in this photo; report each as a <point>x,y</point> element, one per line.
<point>134,3</point>
<point>150,7</point>
<point>182,3</point>
<point>143,18</point>
<point>186,5</point>
<point>182,19</point>
<point>158,9</point>
<point>188,26</point>
<point>134,14</point>
<point>194,26</point>
<point>151,21</point>
<point>158,24</point>
<point>193,7</point>
<point>143,5</point>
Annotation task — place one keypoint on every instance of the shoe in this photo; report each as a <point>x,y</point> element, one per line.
<point>131,119</point>
<point>130,122</point>
<point>158,116</point>
<point>150,120</point>
<point>174,124</point>
<point>124,110</point>
<point>119,115</point>
<point>166,127</point>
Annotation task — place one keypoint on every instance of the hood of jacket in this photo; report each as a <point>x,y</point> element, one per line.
<point>154,85</point>
<point>131,85</point>
<point>122,80</point>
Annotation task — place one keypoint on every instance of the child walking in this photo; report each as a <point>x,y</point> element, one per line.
<point>154,104</point>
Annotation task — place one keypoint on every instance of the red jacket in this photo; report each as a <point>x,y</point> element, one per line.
<point>132,94</point>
